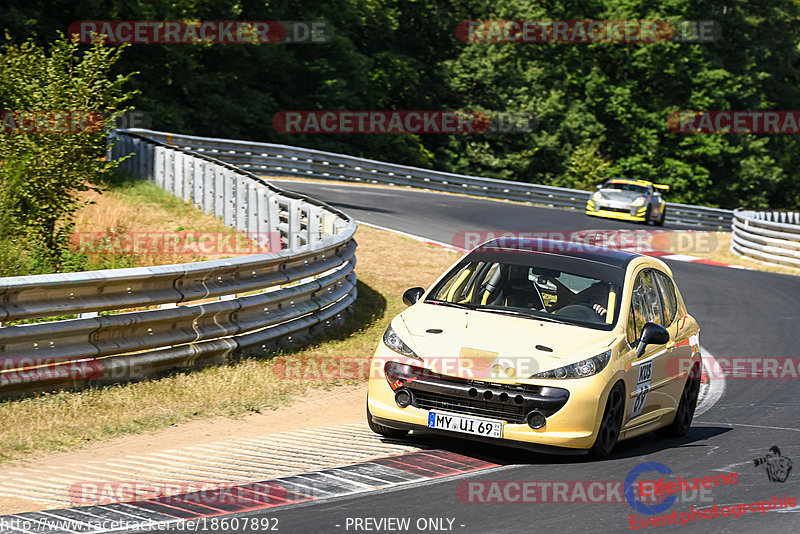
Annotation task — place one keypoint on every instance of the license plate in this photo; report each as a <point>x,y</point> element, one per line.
<point>465,424</point>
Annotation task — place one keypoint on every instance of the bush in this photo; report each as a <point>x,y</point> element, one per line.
<point>41,171</point>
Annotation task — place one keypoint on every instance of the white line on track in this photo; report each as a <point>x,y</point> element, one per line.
<point>716,387</point>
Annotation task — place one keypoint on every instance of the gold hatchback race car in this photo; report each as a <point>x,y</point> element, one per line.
<point>629,200</point>
<point>550,345</point>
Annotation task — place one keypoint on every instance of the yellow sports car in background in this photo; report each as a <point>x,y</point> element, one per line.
<point>629,200</point>
<point>550,345</point>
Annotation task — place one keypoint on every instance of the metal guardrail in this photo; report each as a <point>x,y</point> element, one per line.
<point>191,314</point>
<point>281,160</point>
<point>769,236</point>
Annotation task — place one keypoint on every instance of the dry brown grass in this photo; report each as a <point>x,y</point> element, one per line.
<point>138,209</point>
<point>387,265</point>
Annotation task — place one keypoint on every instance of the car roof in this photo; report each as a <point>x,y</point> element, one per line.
<point>535,245</point>
<point>608,264</point>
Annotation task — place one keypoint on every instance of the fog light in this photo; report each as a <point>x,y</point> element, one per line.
<point>536,419</point>
<point>403,398</point>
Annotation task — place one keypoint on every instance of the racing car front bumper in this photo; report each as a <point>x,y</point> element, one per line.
<point>573,409</point>
<point>629,213</point>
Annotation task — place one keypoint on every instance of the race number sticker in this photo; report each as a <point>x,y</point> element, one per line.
<point>642,387</point>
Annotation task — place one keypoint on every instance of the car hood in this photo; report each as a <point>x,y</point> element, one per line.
<point>620,196</point>
<point>481,341</point>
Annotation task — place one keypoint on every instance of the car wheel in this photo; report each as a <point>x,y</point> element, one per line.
<point>660,221</point>
<point>686,407</point>
<point>610,426</point>
<point>647,215</point>
<point>383,430</point>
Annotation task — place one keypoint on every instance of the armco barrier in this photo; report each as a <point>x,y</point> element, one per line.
<point>769,236</point>
<point>280,160</point>
<point>189,314</point>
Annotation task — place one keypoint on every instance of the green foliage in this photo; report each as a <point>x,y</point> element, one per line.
<point>602,108</point>
<point>41,172</point>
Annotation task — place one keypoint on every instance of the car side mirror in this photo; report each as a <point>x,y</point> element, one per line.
<point>411,296</point>
<point>652,334</point>
<point>599,186</point>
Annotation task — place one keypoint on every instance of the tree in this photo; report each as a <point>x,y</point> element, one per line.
<point>53,139</point>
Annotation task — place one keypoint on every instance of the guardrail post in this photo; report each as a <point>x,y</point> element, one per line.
<point>294,223</point>
<point>198,183</point>
<point>229,197</point>
<point>188,177</point>
<point>328,225</point>
<point>262,224</point>
<point>253,193</point>
<point>273,223</point>
<point>169,171</point>
<point>112,140</point>
<point>141,159</point>
<point>242,187</point>
<point>314,224</point>
<point>147,161</point>
<point>208,189</point>
<point>177,173</point>
<point>159,162</point>
<point>219,192</point>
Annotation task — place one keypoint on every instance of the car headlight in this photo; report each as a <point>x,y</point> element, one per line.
<point>588,367</point>
<point>393,341</point>
<point>597,196</point>
<point>638,202</point>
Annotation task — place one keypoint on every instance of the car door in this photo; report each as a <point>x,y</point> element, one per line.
<point>679,348</point>
<point>646,374</point>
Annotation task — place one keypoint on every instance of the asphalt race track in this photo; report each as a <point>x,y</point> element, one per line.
<point>741,313</point>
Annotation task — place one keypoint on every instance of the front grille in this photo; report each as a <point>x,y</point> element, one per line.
<point>507,402</point>
<point>513,413</point>
<point>618,210</point>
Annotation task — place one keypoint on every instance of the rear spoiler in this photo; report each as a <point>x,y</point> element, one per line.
<point>662,187</point>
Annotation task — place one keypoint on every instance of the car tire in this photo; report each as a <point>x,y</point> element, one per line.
<point>611,424</point>
<point>383,430</point>
<point>660,221</point>
<point>686,407</point>
<point>647,215</point>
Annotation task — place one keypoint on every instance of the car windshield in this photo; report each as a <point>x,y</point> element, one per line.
<point>626,186</point>
<point>539,292</point>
